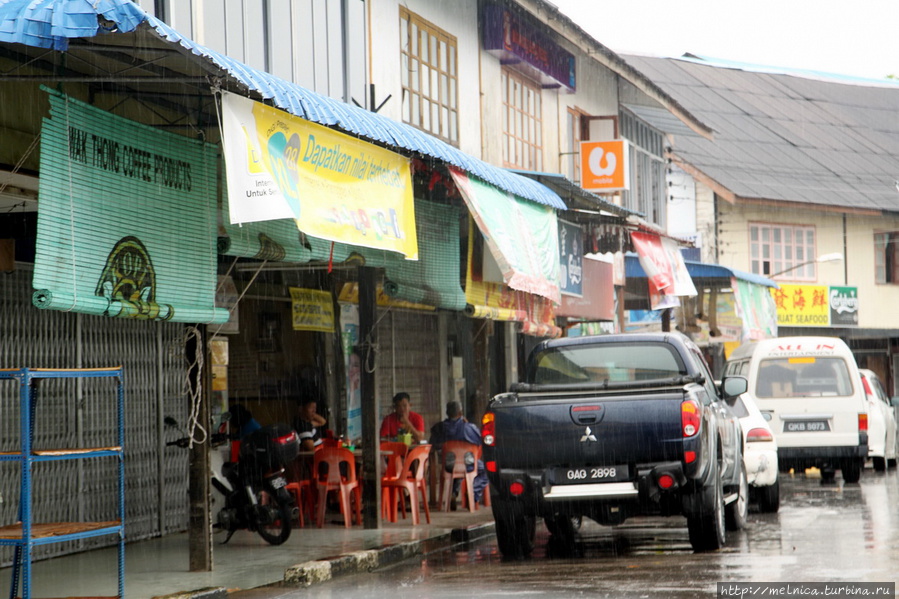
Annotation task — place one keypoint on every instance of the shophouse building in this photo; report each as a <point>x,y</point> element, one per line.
<point>797,184</point>
<point>120,234</point>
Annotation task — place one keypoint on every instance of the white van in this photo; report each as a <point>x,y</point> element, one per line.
<point>810,390</point>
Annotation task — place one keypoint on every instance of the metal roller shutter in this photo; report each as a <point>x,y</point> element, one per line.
<point>408,360</point>
<point>70,413</point>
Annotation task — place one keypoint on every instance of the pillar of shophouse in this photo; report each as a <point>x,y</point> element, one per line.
<point>371,463</point>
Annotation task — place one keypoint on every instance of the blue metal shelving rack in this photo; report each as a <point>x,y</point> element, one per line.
<point>26,535</point>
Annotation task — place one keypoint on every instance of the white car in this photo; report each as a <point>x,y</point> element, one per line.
<point>759,454</point>
<point>882,438</point>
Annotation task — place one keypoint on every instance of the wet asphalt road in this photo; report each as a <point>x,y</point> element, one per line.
<point>823,533</point>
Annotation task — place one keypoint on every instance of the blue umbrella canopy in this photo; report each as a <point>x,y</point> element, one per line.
<point>52,23</point>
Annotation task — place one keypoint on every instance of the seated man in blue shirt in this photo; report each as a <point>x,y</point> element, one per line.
<point>242,421</point>
<point>456,428</point>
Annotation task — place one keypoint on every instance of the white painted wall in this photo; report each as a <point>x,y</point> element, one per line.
<point>681,205</point>
<point>457,18</point>
<point>596,94</point>
<point>319,44</point>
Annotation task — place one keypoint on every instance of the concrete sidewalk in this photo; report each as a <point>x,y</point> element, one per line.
<point>159,567</point>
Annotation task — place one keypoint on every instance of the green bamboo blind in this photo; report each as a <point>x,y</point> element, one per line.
<point>433,279</point>
<point>126,218</point>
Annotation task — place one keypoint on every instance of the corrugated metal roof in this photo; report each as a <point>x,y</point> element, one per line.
<point>52,23</point>
<point>827,139</point>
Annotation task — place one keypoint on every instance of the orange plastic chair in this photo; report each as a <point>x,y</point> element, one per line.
<point>300,485</point>
<point>393,465</point>
<point>394,461</point>
<point>458,449</point>
<point>412,480</point>
<point>304,497</point>
<point>326,473</point>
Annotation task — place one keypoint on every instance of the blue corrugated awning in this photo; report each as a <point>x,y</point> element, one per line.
<point>51,23</point>
<point>701,270</point>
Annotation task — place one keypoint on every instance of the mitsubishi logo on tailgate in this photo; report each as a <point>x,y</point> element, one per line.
<point>588,436</point>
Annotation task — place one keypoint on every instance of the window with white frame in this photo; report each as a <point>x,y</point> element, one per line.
<point>787,250</point>
<point>886,258</point>
<point>648,189</point>
<point>522,122</point>
<point>429,77</point>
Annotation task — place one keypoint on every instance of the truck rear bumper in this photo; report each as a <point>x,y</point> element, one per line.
<point>626,490</point>
<point>822,453</point>
<point>536,494</point>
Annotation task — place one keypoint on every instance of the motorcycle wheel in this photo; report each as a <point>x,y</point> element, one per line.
<point>273,522</point>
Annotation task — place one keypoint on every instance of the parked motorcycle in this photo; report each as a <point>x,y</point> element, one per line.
<point>253,487</point>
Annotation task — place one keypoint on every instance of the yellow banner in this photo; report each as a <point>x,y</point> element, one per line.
<point>802,305</point>
<point>312,310</point>
<point>337,187</point>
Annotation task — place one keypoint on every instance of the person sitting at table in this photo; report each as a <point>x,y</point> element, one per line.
<point>456,428</point>
<point>309,424</point>
<point>241,421</point>
<point>402,420</point>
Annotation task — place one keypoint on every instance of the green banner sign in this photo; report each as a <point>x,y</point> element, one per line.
<point>126,218</point>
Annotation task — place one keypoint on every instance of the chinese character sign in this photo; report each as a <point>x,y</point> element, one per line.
<point>816,305</point>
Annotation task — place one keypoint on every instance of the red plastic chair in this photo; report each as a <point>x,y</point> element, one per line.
<point>410,479</point>
<point>393,462</point>
<point>304,497</point>
<point>326,468</point>
<point>458,449</point>
<point>393,465</point>
<point>300,485</point>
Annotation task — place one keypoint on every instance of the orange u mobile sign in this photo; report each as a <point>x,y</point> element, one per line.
<point>605,165</point>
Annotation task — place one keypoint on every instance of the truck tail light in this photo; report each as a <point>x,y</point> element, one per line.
<point>758,435</point>
<point>862,423</point>
<point>516,488</point>
<point>488,429</point>
<point>690,419</point>
<point>666,481</point>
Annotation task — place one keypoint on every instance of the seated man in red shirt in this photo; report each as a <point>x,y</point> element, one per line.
<point>402,420</point>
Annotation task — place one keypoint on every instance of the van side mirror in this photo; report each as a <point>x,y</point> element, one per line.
<point>894,401</point>
<point>734,386</point>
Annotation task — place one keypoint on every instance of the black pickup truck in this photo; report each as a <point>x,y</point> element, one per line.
<point>611,427</point>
